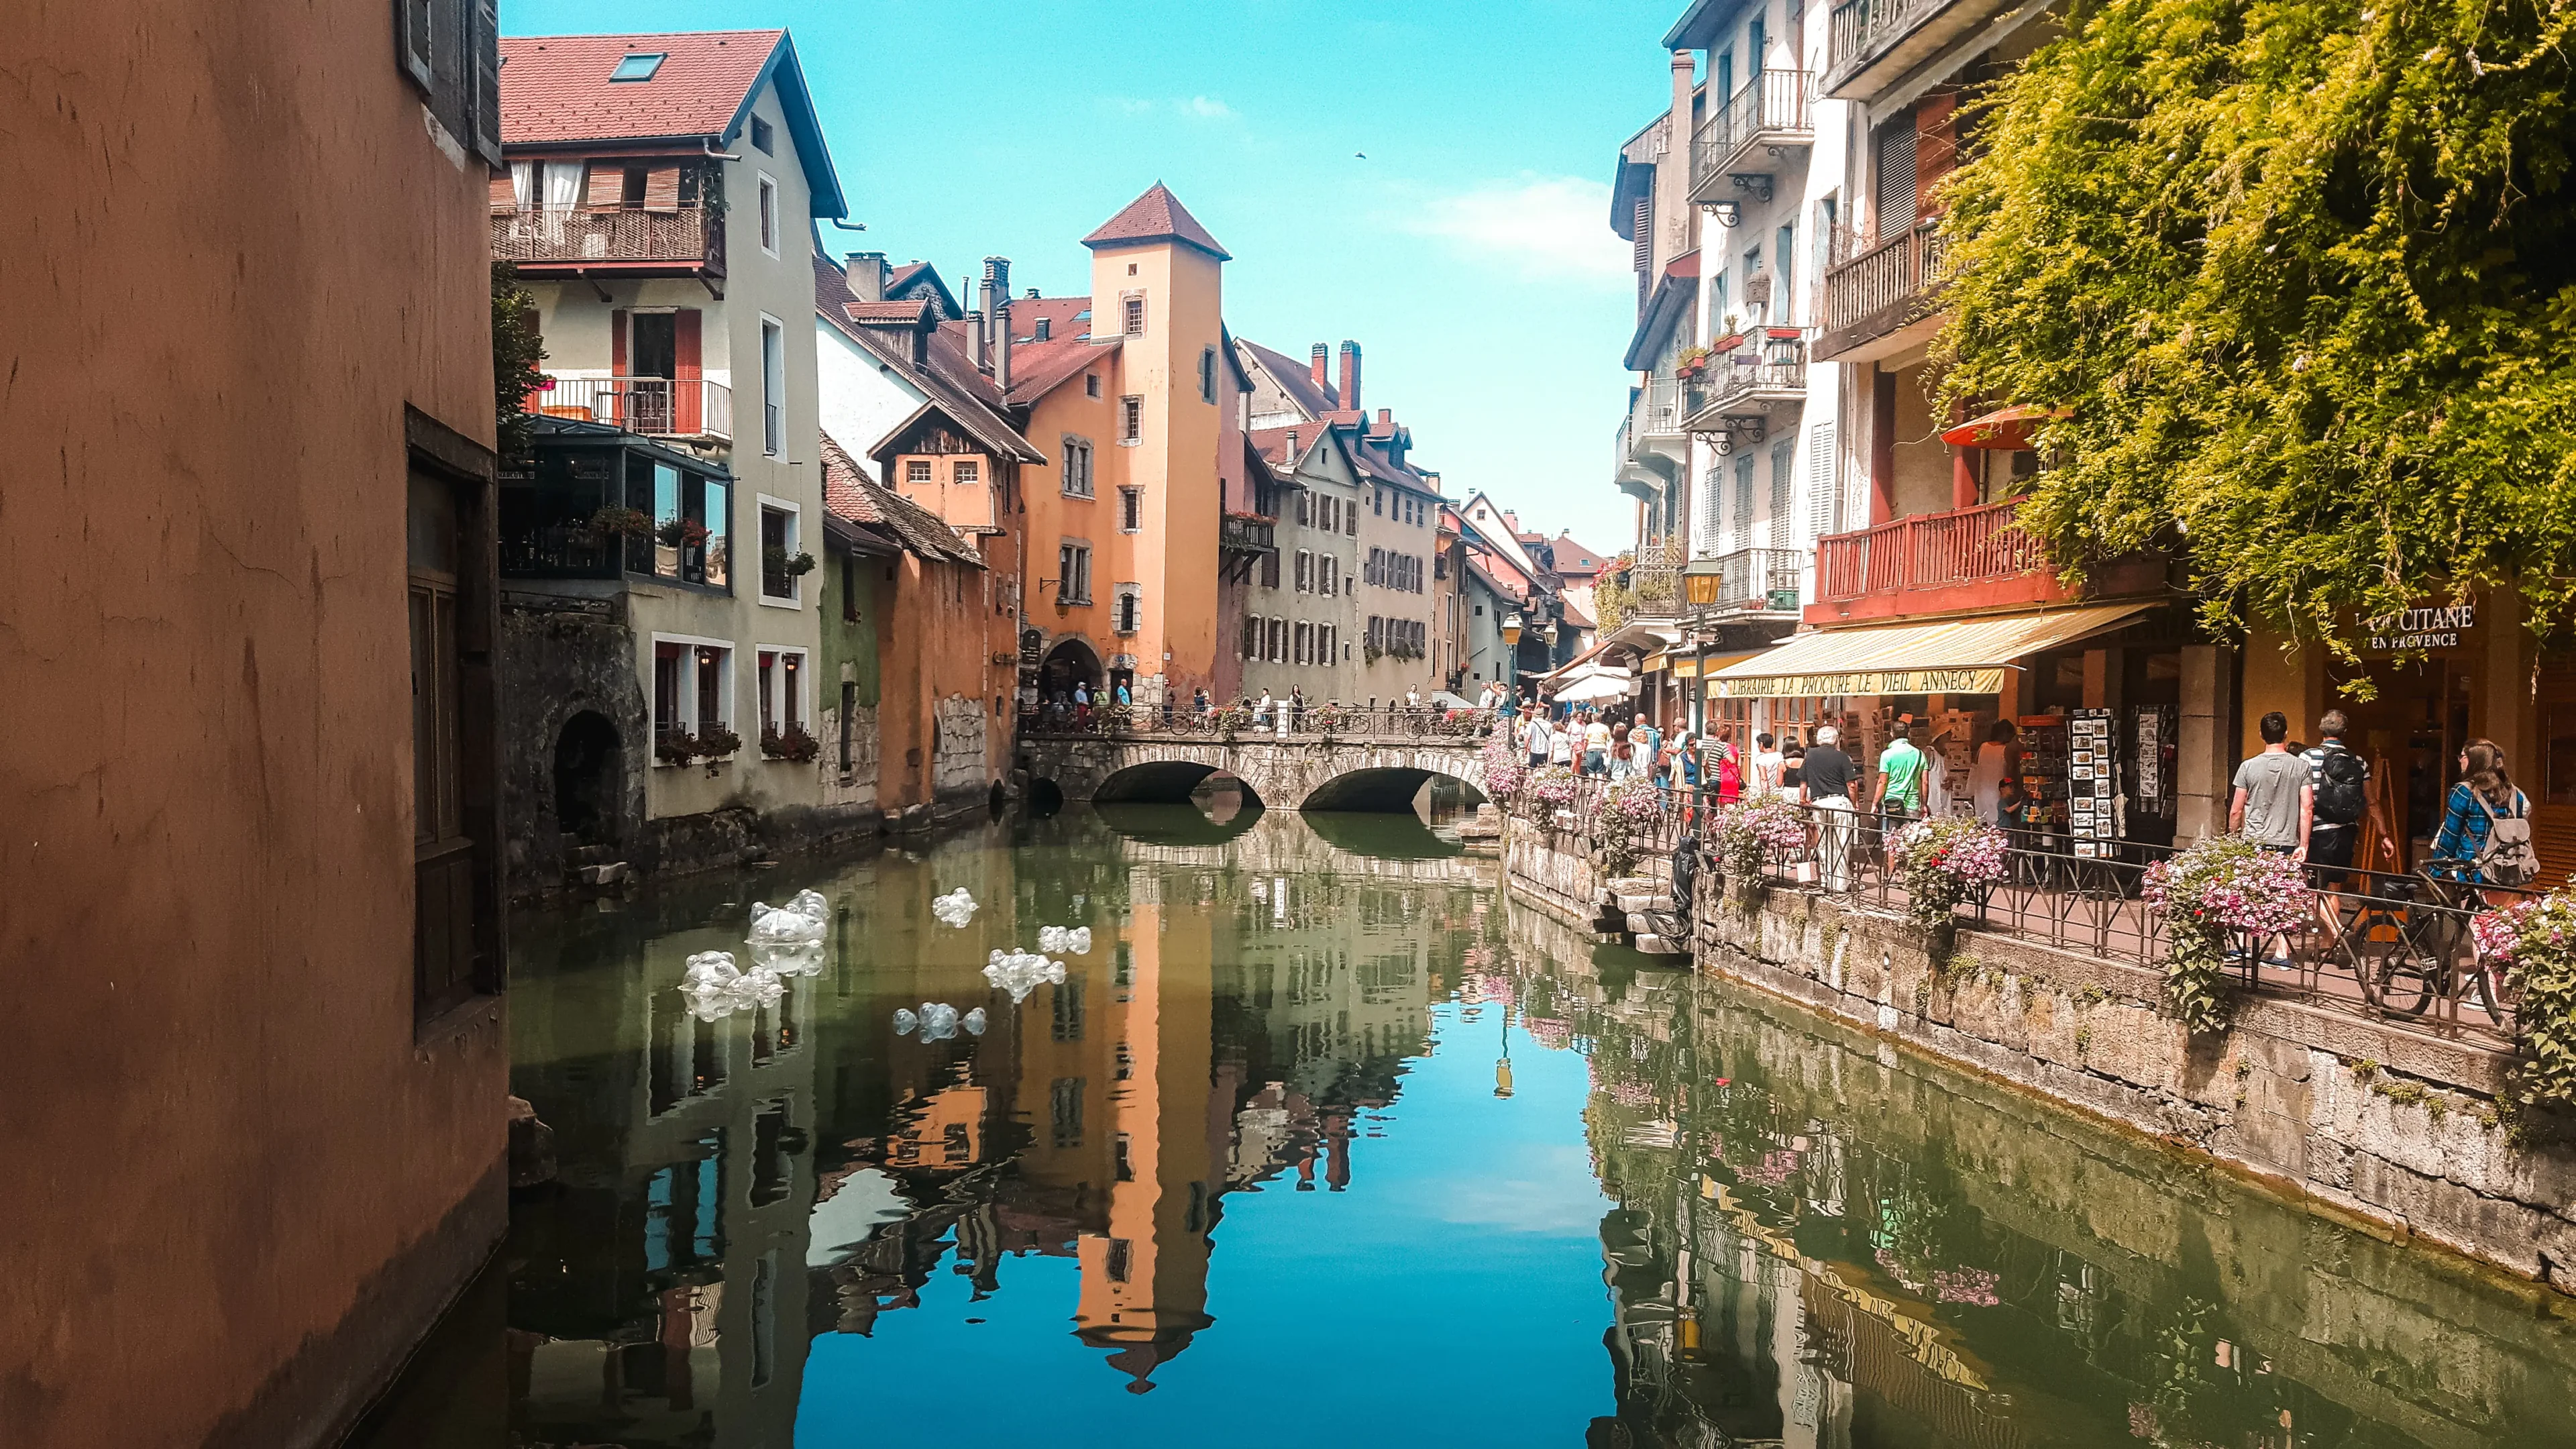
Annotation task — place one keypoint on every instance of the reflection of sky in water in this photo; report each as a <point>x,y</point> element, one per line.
<point>1452,1295</point>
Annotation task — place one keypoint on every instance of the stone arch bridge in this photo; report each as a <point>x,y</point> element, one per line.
<point>1283,772</point>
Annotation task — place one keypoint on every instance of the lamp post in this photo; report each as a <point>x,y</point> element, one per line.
<point>1512,647</point>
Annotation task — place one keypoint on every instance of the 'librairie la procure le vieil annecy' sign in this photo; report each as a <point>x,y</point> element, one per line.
<point>2420,628</point>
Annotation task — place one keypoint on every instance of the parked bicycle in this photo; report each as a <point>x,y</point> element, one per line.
<point>2409,945</point>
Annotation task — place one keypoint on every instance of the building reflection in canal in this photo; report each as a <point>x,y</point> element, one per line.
<point>1809,1239</point>
<point>730,1188</point>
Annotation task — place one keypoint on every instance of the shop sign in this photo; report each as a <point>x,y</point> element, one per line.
<point>1977,679</point>
<point>1032,644</point>
<point>2407,630</point>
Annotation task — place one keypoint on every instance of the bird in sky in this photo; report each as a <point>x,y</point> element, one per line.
<point>1363,155</point>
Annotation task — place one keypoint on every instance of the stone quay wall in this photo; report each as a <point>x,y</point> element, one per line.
<point>2354,1116</point>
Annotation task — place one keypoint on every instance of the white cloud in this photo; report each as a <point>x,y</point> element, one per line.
<point>1197,108</point>
<point>1555,226</point>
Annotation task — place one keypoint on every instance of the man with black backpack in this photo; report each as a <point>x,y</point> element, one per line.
<point>2340,781</point>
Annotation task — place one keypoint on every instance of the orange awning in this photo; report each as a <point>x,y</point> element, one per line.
<point>2006,428</point>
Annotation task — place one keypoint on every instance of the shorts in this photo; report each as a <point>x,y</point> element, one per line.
<point>2270,849</point>
<point>2330,857</point>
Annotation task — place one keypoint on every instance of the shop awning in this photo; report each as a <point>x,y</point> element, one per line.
<point>1950,656</point>
<point>2006,428</point>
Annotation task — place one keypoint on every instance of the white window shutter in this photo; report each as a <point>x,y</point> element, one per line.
<point>1824,484</point>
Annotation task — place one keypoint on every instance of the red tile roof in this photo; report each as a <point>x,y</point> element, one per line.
<point>1039,368</point>
<point>556,87</point>
<point>1574,558</point>
<point>848,491</point>
<point>1156,216</point>
<point>1068,318</point>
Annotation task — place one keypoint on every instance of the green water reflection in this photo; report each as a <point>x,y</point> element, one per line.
<point>1323,1140</point>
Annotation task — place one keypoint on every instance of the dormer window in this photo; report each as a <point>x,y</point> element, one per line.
<point>638,66</point>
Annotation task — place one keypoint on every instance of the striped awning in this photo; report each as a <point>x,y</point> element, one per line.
<point>1949,656</point>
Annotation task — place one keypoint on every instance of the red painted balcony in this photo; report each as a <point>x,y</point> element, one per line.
<point>1931,563</point>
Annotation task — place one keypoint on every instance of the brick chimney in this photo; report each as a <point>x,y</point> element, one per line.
<point>1349,395</point>
<point>867,274</point>
<point>1320,367</point>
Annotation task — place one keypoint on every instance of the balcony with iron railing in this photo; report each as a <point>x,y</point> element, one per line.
<point>1879,297</point>
<point>1773,114</point>
<point>1870,44</point>
<point>656,407</point>
<point>1762,371</point>
<point>1246,533</point>
<point>1748,582</point>
<point>562,241</point>
<point>1932,563</point>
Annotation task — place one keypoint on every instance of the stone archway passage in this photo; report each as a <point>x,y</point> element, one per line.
<point>590,780</point>
<point>1071,661</point>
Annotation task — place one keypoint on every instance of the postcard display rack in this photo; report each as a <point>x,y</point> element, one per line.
<point>2092,782</point>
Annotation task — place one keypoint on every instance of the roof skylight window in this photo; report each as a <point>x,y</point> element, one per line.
<point>638,66</point>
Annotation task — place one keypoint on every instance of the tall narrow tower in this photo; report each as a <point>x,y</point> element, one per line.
<point>1157,284</point>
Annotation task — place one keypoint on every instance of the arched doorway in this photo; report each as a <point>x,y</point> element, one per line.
<point>590,779</point>
<point>1068,663</point>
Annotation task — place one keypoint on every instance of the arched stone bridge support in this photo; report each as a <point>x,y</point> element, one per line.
<point>1290,774</point>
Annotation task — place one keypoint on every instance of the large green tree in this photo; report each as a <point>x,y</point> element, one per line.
<point>2302,274</point>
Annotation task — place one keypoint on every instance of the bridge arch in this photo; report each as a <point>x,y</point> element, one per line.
<point>1379,788</point>
<point>1166,782</point>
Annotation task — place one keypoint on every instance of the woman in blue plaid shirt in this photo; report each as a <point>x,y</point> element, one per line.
<point>2483,794</point>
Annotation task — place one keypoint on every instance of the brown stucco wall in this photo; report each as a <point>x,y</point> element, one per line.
<point>235,253</point>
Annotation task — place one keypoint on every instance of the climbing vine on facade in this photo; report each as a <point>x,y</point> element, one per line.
<point>2303,278</point>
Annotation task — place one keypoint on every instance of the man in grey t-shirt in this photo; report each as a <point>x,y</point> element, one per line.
<point>2275,799</point>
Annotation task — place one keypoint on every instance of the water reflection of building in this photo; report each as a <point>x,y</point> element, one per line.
<point>664,1292</point>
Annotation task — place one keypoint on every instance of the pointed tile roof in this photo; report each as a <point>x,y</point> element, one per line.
<point>1156,216</point>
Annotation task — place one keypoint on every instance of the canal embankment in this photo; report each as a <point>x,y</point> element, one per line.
<point>2367,1118</point>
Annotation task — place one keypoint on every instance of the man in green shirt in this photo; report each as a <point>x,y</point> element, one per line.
<point>1900,780</point>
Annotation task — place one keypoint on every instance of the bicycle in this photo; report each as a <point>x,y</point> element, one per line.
<point>2407,944</point>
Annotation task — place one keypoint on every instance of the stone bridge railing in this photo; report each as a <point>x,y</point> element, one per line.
<point>1319,758</point>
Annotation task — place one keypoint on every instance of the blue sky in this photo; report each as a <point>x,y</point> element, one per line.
<point>1469,254</point>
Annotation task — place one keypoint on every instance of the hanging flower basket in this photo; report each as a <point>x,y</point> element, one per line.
<point>1942,860</point>
<point>681,533</point>
<point>792,744</point>
<point>2217,887</point>
<point>1748,830</point>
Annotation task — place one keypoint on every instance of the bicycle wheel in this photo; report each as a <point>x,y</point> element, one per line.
<point>2398,973</point>
<point>2484,988</point>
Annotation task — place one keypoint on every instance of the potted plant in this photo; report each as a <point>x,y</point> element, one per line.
<point>793,565</point>
<point>715,742</point>
<point>2535,944</point>
<point>616,522</point>
<point>676,748</point>
<point>1325,719</point>
<point>2214,888</point>
<point>792,744</point>
<point>1748,830</point>
<point>681,533</point>
<point>1941,860</point>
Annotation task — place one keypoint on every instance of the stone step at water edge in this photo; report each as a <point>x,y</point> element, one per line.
<point>1651,944</point>
<point>1636,903</point>
<point>1658,923</point>
<point>591,854</point>
<point>616,872</point>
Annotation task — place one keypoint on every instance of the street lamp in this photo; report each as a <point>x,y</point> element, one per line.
<point>1512,629</point>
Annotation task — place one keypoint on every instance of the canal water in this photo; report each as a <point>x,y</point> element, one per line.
<point>1323,1141</point>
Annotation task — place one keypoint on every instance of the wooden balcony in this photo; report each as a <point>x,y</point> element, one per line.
<point>1741,146</point>
<point>1879,299</point>
<point>1243,540</point>
<point>1931,563</point>
<point>556,242</point>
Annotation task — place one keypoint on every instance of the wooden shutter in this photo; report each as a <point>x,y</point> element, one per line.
<point>616,346</point>
<point>2553,801</point>
<point>1897,194</point>
<point>484,41</point>
<point>1936,147</point>
<point>412,39</point>
<point>607,186</point>
<point>662,187</point>
<point>688,391</point>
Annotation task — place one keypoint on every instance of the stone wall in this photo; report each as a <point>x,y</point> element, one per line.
<point>2360,1116</point>
<point>1552,869</point>
<point>560,657</point>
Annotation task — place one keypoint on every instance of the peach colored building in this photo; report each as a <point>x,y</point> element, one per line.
<point>1134,403</point>
<point>257,1053</point>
